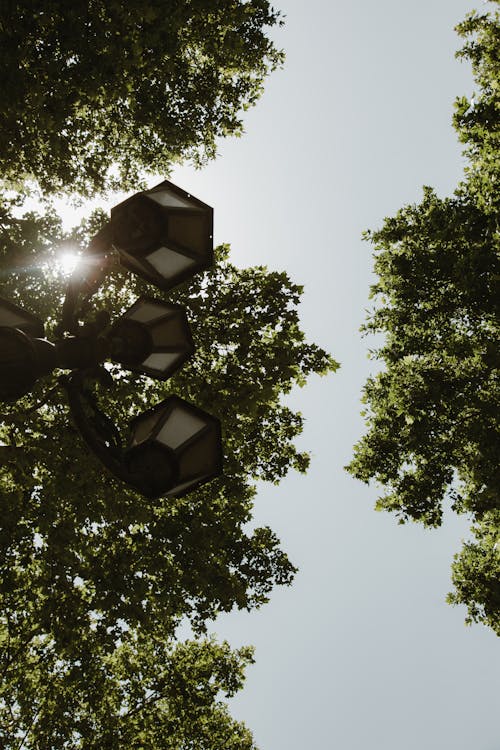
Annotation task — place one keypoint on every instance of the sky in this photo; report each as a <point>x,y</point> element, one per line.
<point>361,651</point>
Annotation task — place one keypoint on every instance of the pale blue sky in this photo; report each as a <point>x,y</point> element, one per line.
<point>361,652</point>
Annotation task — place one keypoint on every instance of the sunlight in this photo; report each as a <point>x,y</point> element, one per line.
<point>67,261</point>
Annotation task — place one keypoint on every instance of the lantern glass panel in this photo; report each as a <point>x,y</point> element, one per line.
<point>201,457</point>
<point>188,230</point>
<point>168,198</point>
<point>170,332</point>
<point>179,427</point>
<point>145,312</point>
<point>169,263</point>
<point>161,361</point>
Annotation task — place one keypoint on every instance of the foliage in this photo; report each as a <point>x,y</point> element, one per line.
<point>433,409</point>
<point>476,573</point>
<point>477,120</point>
<point>85,559</point>
<point>146,694</point>
<point>95,89</point>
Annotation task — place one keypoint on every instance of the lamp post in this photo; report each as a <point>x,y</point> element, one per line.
<point>165,236</point>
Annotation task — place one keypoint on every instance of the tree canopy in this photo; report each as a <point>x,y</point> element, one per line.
<point>433,410</point>
<point>95,578</point>
<point>149,693</point>
<point>96,93</point>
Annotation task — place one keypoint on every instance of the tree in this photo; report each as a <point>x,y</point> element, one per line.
<point>95,93</point>
<point>432,411</point>
<point>83,558</point>
<point>154,694</point>
<point>95,579</point>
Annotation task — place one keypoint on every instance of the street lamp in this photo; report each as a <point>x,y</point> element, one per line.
<point>163,235</point>
<point>174,446</point>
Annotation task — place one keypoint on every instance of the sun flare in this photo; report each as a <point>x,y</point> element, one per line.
<point>67,262</point>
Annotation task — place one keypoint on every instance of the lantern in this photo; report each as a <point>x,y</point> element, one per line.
<point>164,235</point>
<point>174,448</point>
<point>152,337</point>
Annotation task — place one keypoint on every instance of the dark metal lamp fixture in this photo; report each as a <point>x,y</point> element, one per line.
<point>180,437</point>
<point>152,337</point>
<point>165,236</point>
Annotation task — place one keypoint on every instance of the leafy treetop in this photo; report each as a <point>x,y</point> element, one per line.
<point>149,693</point>
<point>95,93</point>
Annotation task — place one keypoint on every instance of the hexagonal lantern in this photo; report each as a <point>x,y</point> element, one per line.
<point>174,448</point>
<point>152,337</point>
<point>164,235</point>
<point>12,316</point>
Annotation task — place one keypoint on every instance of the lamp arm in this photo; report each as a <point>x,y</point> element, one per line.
<point>97,259</point>
<point>111,456</point>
